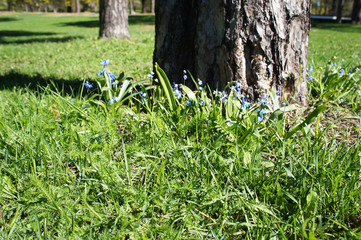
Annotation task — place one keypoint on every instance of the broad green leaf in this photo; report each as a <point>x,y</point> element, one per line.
<point>168,90</point>
<point>308,120</point>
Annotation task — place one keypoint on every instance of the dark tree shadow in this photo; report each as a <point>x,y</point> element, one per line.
<point>13,79</point>
<point>11,37</point>
<point>7,19</point>
<point>133,20</point>
<point>24,33</point>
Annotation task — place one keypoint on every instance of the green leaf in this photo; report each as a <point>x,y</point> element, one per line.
<point>189,92</point>
<point>308,120</point>
<point>168,90</point>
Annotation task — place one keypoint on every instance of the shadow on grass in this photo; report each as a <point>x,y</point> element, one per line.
<point>133,20</point>
<point>347,28</point>
<point>7,19</point>
<point>13,79</point>
<point>12,37</point>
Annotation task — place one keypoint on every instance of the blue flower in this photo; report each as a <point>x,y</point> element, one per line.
<point>342,71</point>
<point>150,76</point>
<point>88,84</point>
<point>278,92</point>
<point>200,82</point>
<point>105,62</point>
<point>188,103</point>
<point>112,76</point>
<point>259,118</point>
<point>233,88</point>
<point>184,72</point>
<point>115,83</point>
<point>178,94</point>
<point>185,77</point>
<point>143,94</point>
<point>102,71</point>
<point>263,99</point>
<point>114,100</point>
<point>310,69</point>
<point>175,86</point>
<point>309,78</point>
<point>201,89</point>
<point>262,111</point>
<point>246,104</point>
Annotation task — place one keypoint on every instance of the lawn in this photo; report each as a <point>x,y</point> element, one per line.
<point>75,164</point>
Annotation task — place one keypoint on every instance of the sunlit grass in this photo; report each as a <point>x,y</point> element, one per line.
<point>77,167</point>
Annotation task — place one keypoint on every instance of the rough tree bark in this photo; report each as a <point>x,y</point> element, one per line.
<point>356,12</point>
<point>113,19</point>
<point>144,6</point>
<point>261,44</point>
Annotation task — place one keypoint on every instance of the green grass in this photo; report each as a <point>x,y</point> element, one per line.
<point>74,167</point>
<point>329,40</point>
<point>67,47</point>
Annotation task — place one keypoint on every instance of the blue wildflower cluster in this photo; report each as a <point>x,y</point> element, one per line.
<point>177,91</point>
<point>237,88</point>
<point>111,75</point>
<point>309,73</point>
<point>114,100</point>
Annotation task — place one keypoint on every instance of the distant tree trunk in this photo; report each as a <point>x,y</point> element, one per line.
<point>144,6</point>
<point>131,7</point>
<point>113,19</point>
<point>326,7</point>
<point>260,44</point>
<point>77,5</point>
<point>152,6</point>
<point>10,5</point>
<point>334,7</point>
<point>356,12</point>
<point>339,10</point>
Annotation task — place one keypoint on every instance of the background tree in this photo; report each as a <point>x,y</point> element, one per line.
<point>77,6</point>
<point>261,44</point>
<point>144,6</point>
<point>152,6</point>
<point>131,7</point>
<point>113,19</point>
<point>356,12</point>
<point>339,10</point>
<point>10,5</point>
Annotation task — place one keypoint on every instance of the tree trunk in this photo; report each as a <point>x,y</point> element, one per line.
<point>339,10</point>
<point>152,6</point>
<point>144,6</point>
<point>131,7</point>
<point>113,19</point>
<point>260,44</point>
<point>356,12</point>
<point>77,5</point>
<point>334,7</point>
<point>10,5</point>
